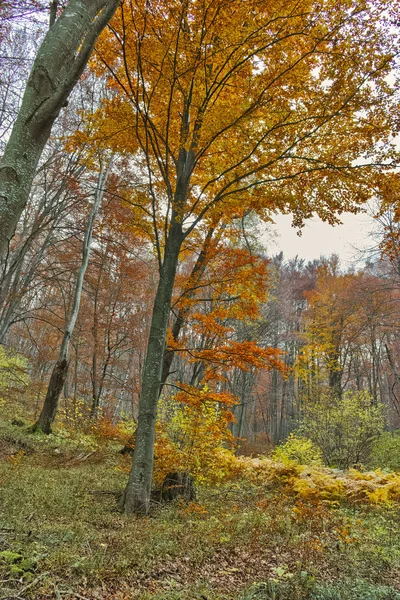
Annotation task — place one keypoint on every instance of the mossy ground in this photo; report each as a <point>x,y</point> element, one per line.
<point>62,536</point>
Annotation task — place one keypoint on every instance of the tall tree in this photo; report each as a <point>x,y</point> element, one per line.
<point>60,370</point>
<point>59,63</point>
<point>228,107</point>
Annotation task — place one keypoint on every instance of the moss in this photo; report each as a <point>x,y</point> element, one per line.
<point>10,557</point>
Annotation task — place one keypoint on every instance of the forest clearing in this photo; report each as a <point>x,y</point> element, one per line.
<point>185,414</point>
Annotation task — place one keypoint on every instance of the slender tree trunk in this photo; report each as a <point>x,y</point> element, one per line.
<point>93,409</point>
<point>188,293</point>
<point>137,494</point>
<point>119,404</point>
<point>56,384</point>
<point>60,370</point>
<point>59,63</point>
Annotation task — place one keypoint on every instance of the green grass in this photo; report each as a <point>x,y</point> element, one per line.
<point>62,537</point>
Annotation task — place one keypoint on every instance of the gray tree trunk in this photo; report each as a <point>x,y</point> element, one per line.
<point>59,63</point>
<point>60,370</point>
<point>188,293</point>
<point>137,494</point>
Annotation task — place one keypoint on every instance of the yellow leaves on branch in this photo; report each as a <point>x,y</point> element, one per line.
<point>269,100</point>
<point>195,439</point>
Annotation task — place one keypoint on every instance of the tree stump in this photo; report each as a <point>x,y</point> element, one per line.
<point>178,485</point>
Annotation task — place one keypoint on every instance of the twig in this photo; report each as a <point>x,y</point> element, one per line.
<point>226,492</point>
<point>34,582</point>
<point>104,492</point>
<point>25,588</point>
<point>71,593</point>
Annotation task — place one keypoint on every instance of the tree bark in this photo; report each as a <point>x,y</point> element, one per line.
<point>60,370</point>
<point>59,63</point>
<point>137,494</point>
<point>188,293</point>
<point>56,384</point>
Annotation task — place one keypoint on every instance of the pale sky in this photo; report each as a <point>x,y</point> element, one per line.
<point>318,238</point>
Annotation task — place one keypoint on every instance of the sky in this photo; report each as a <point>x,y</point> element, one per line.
<point>349,240</point>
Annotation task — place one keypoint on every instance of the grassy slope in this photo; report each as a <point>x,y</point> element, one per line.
<point>61,538</point>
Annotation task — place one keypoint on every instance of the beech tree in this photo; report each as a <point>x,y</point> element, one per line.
<point>230,107</point>
<point>58,65</point>
<point>60,370</point>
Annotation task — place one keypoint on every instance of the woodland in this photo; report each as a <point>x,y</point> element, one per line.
<point>185,415</point>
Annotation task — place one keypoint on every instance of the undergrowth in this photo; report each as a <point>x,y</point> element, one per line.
<point>276,530</point>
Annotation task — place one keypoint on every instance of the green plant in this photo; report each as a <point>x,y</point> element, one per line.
<point>353,590</point>
<point>304,586</point>
<point>344,429</point>
<point>14,380</point>
<point>284,586</point>
<point>385,453</point>
<point>300,449</point>
<point>17,564</point>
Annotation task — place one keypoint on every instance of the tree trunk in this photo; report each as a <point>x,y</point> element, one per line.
<point>59,63</point>
<point>188,294</point>
<point>56,384</point>
<point>60,370</point>
<point>137,494</point>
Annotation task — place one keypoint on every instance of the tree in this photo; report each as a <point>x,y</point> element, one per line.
<point>53,199</point>
<point>279,398</point>
<point>344,429</point>
<point>230,107</point>
<point>60,370</point>
<point>328,329</point>
<point>59,63</point>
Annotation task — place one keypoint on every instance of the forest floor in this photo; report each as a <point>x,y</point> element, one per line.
<point>62,536</point>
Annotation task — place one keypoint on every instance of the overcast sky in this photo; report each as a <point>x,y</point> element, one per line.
<point>349,241</point>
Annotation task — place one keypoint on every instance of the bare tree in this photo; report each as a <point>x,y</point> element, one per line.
<point>60,370</point>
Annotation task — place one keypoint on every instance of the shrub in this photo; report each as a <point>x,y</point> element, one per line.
<point>344,429</point>
<point>300,449</point>
<point>385,452</point>
<point>195,439</point>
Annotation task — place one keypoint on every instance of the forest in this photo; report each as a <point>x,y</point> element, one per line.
<point>186,414</point>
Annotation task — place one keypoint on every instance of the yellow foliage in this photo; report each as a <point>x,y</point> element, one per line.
<point>15,459</point>
<point>194,509</point>
<point>379,495</point>
<point>195,439</point>
<point>320,484</point>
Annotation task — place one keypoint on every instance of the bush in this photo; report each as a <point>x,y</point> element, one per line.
<point>344,429</point>
<point>195,439</point>
<point>300,449</point>
<point>385,452</point>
